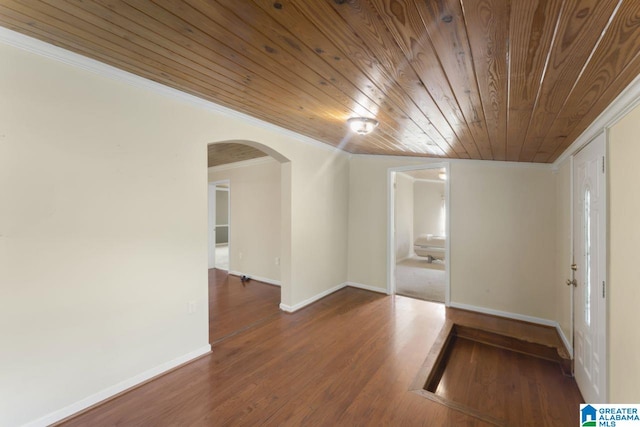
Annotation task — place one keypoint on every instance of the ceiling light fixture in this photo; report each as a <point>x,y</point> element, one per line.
<point>362,125</point>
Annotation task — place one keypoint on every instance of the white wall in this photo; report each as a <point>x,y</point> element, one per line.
<point>503,231</point>
<point>319,223</point>
<point>428,198</point>
<point>222,216</point>
<point>368,218</point>
<point>255,216</point>
<point>103,229</point>
<point>222,205</point>
<point>503,226</point>
<point>564,258</point>
<point>624,241</point>
<point>404,216</point>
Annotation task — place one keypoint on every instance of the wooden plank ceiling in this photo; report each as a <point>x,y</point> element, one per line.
<point>224,153</point>
<point>511,80</point>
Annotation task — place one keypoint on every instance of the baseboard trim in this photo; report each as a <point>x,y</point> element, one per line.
<point>507,314</point>
<point>117,389</point>
<point>367,287</point>
<point>257,278</point>
<point>522,317</point>
<point>564,339</point>
<point>308,301</point>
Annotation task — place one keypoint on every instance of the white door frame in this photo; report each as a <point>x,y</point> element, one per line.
<point>391,235</point>
<point>211,194</point>
<point>211,225</point>
<point>571,252</point>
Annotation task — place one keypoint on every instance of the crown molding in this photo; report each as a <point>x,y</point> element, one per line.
<point>38,47</point>
<point>628,99</point>
<point>427,162</point>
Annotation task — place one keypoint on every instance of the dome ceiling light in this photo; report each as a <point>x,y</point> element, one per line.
<point>362,125</point>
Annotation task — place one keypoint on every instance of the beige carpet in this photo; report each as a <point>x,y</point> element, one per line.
<point>417,278</point>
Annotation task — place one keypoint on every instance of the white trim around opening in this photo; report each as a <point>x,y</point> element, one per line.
<point>391,253</point>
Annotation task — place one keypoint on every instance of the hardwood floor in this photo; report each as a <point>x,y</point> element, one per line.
<point>347,360</point>
<point>506,385</point>
<point>234,306</point>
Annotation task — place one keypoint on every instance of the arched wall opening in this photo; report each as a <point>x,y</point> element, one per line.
<point>259,183</point>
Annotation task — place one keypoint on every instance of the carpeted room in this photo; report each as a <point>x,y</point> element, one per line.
<point>420,233</point>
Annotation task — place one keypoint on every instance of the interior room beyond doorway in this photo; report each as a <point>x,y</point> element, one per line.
<point>420,233</point>
<point>222,226</point>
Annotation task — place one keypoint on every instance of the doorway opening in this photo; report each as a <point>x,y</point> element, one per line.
<point>249,235</point>
<point>220,228</point>
<point>418,252</point>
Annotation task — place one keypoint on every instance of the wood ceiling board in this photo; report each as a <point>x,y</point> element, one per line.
<point>619,47</point>
<point>120,59</point>
<point>581,25</point>
<point>494,79</point>
<point>304,34</point>
<point>181,49</point>
<point>260,50</point>
<point>339,70</point>
<point>531,29</point>
<point>404,23</point>
<point>164,51</point>
<point>224,153</point>
<point>385,61</point>
<point>487,25</point>
<point>202,12</point>
<point>444,22</point>
<point>259,61</point>
<point>610,94</point>
<point>242,95</point>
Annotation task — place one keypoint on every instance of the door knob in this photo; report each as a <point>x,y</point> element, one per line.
<point>574,267</point>
<point>573,282</point>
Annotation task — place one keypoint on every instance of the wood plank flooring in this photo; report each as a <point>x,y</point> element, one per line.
<point>234,306</point>
<point>347,360</point>
<point>506,385</point>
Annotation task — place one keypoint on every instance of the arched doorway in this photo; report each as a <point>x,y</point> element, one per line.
<point>257,180</point>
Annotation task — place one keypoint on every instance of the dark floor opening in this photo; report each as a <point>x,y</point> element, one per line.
<point>500,379</point>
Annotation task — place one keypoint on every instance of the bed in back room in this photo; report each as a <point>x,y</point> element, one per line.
<point>430,246</point>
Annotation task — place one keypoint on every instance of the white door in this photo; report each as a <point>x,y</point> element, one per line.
<point>589,234</point>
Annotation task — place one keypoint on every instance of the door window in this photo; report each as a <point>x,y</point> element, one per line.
<point>587,256</point>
